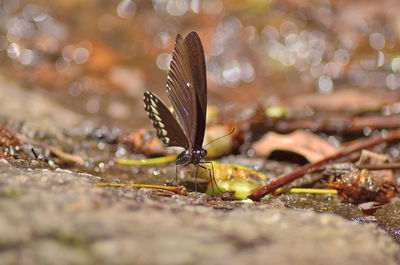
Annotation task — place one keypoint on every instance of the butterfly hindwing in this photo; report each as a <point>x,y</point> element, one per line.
<point>167,128</point>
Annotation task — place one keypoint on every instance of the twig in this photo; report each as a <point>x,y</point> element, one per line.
<point>58,152</point>
<point>176,189</point>
<point>313,191</point>
<point>362,144</point>
<point>148,161</point>
<point>336,124</point>
<point>380,166</point>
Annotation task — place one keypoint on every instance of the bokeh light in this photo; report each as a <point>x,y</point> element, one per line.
<point>163,61</point>
<point>124,45</point>
<point>126,9</point>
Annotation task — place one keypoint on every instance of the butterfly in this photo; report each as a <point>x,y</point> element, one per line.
<point>187,92</point>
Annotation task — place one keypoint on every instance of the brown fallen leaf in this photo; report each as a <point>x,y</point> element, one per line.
<point>220,140</point>
<point>360,185</point>
<point>146,143</point>
<point>363,186</point>
<point>308,145</point>
<point>369,158</point>
<point>10,146</point>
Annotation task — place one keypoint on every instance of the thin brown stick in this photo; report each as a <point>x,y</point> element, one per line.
<point>58,152</point>
<point>181,190</point>
<point>380,166</point>
<point>362,144</point>
<point>334,124</point>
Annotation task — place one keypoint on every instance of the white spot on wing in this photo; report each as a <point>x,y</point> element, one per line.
<point>154,109</point>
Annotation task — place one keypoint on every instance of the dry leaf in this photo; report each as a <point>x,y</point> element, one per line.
<point>363,186</point>
<point>372,158</point>
<point>308,145</point>
<point>368,158</point>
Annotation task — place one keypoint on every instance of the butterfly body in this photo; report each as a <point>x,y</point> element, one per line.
<point>187,92</point>
<point>190,157</point>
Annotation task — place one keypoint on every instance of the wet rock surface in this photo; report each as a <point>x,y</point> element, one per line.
<point>60,217</point>
<point>56,216</point>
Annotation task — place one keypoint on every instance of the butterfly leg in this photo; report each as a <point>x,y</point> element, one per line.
<point>211,173</point>
<point>175,181</point>
<point>195,179</point>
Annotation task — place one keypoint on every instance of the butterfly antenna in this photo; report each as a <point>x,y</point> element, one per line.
<point>220,137</point>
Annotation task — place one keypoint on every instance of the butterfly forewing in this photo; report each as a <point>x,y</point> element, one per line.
<point>179,79</point>
<point>167,128</point>
<point>187,89</point>
<point>198,66</point>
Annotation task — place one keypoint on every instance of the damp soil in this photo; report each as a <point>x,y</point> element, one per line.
<point>100,148</point>
<point>72,77</point>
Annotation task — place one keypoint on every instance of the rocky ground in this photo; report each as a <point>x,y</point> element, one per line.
<point>63,217</point>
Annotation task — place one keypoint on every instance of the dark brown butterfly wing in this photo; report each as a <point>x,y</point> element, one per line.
<point>179,89</point>
<point>187,87</point>
<point>198,65</point>
<point>167,128</point>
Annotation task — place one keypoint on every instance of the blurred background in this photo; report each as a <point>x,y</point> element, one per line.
<point>98,57</point>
